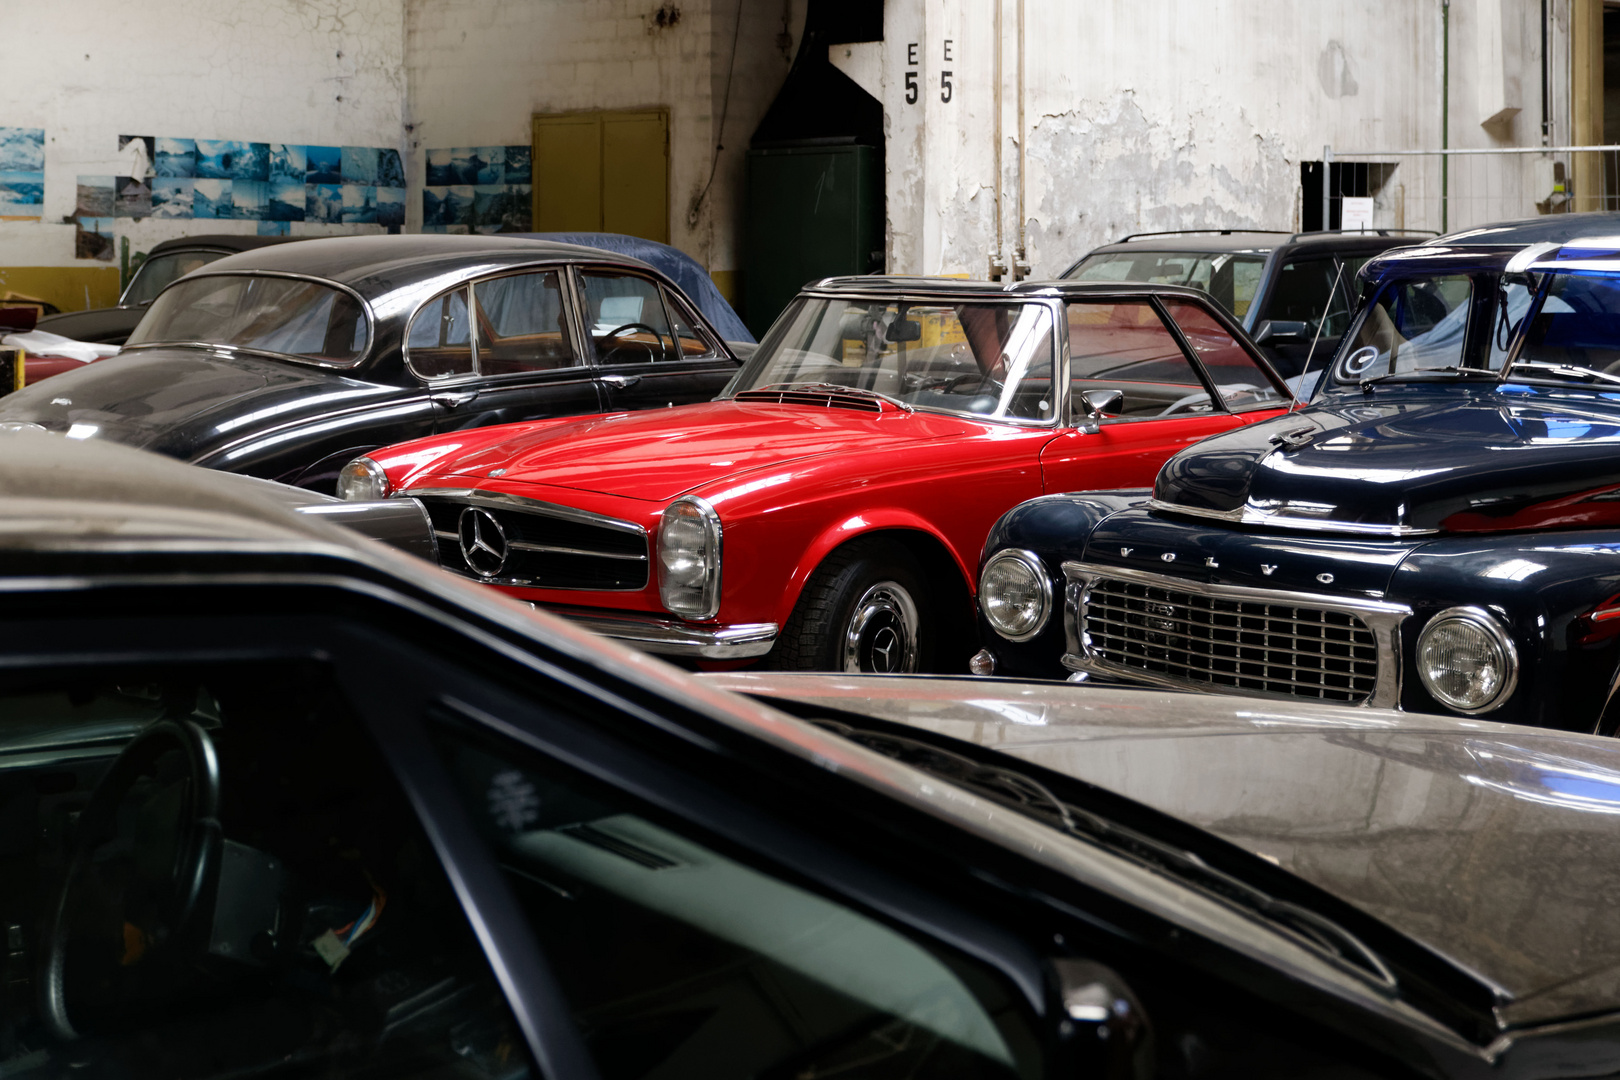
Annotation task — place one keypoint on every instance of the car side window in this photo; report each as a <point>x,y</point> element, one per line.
<point>522,324</point>
<point>1126,362</point>
<point>1415,324</point>
<point>1305,292</point>
<point>439,342</point>
<point>1239,380</point>
<point>678,959</point>
<point>210,870</point>
<point>624,314</point>
<point>693,346</point>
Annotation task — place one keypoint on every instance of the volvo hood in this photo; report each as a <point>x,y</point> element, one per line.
<point>1410,462</point>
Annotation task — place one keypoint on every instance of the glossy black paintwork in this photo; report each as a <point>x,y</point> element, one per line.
<point>301,423</point>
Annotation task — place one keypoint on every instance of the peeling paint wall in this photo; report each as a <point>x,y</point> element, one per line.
<point>478,69</point>
<point>324,72</point>
<point>1181,114</point>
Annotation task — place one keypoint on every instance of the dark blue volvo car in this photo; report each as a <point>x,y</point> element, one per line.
<point>1439,530</point>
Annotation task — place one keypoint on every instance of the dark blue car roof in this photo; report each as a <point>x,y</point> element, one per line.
<point>1552,228</point>
<point>673,263</point>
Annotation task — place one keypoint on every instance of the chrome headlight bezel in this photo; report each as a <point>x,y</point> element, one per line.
<point>688,601</point>
<point>1030,562</point>
<point>363,480</point>
<point>1498,637</point>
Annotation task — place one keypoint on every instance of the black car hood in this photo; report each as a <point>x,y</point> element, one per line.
<point>1413,461</point>
<point>183,401</point>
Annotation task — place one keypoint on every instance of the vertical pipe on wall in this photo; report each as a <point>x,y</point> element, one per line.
<point>1445,113</point>
<point>1546,115</point>
<point>998,264</point>
<point>1021,268</point>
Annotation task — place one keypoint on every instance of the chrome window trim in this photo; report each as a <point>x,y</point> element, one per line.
<point>672,637</point>
<point>199,248</point>
<point>1248,515</point>
<point>346,365</point>
<point>1382,617</point>
<point>500,500</point>
<point>673,308</point>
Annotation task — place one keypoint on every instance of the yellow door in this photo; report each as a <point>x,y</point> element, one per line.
<point>602,172</point>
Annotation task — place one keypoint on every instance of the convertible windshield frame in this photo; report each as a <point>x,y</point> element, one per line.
<point>750,376</point>
<point>362,355</point>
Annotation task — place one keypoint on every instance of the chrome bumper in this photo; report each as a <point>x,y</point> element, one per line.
<point>671,637</point>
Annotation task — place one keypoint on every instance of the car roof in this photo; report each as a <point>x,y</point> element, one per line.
<point>381,264</point>
<point>1551,228</point>
<point>232,242</point>
<point>896,285</point>
<point>1258,240</point>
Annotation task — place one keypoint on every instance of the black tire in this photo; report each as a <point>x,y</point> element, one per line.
<point>875,581</point>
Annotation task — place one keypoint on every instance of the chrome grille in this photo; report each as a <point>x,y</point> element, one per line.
<point>1237,640</point>
<point>547,547</point>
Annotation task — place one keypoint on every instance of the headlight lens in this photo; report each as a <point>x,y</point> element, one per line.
<point>1015,594</point>
<point>689,559</point>
<point>1467,660</point>
<point>362,480</point>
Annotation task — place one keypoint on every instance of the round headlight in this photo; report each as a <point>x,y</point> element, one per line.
<point>1467,660</point>
<point>1015,594</point>
<point>362,480</point>
<point>689,559</point>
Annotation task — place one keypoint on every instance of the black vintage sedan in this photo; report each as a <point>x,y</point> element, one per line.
<point>287,362</point>
<point>275,801</point>
<point>1438,531</point>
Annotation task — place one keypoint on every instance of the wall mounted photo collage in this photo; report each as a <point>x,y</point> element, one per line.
<point>22,172</point>
<point>480,189</point>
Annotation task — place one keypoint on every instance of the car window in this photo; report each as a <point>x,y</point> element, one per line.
<point>1122,354</point>
<point>232,885</point>
<point>679,959</point>
<point>1578,324</point>
<point>1410,325</point>
<point>296,318</point>
<point>1231,279</point>
<point>1514,293</point>
<point>439,342</point>
<point>1311,290</point>
<point>624,314</point>
<point>692,344</point>
<point>522,324</point>
<point>158,271</point>
<point>1240,381</point>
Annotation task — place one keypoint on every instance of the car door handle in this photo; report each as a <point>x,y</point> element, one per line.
<point>452,399</point>
<point>621,382</point>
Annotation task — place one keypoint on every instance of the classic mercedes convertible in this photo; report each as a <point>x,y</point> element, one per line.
<point>828,509</point>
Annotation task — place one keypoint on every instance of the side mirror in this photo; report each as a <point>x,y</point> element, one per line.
<point>1101,1027</point>
<point>1282,332</point>
<point>1099,403</point>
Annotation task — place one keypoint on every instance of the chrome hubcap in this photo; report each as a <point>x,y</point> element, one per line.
<point>882,632</point>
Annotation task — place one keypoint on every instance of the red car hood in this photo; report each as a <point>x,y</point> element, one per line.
<point>660,453</point>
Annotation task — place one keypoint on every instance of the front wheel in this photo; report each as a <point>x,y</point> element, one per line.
<point>863,610</point>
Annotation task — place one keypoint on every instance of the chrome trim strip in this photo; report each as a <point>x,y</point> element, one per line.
<point>500,500</point>
<point>1248,515</point>
<point>669,637</point>
<point>551,549</point>
<point>1382,617</point>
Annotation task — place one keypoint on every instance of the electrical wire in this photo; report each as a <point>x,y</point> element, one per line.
<point>720,135</point>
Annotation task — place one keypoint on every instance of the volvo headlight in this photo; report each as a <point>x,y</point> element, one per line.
<point>1467,660</point>
<point>689,559</point>
<point>1015,594</point>
<point>362,480</point>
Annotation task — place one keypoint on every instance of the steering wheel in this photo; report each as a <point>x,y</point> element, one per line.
<point>617,330</point>
<point>144,851</point>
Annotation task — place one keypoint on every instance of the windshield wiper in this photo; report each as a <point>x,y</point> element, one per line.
<point>842,389</point>
<point>1024,793</point>
<point>1568,371</point>
<point>1450,371</point>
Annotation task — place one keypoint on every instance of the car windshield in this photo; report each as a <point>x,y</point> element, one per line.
<point>1231,278</point>
<point>1577,327</point>
<point>158,271</point>
<point>990,359</point>
<point>293,317</point>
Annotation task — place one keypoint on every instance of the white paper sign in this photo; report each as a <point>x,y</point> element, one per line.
<point>1355,213</point>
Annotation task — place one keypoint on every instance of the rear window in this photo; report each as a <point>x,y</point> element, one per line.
<point>293,317</point>
<point>1231,279</point>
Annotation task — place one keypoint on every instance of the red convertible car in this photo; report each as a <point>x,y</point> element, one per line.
<point>827,510</point>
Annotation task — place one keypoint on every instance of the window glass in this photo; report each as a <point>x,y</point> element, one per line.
<point>1514,292</point>
<point>1125,347</point>
<point>1578,324</point>
<point>987,359</point>
<point>300,319</point>
<point>692,343</point>
<point>522,324</point>
<point>1239,380</point>
<point>1411,325</point>
<point>439,342</point>
<point>1309,290</point>
<point>326,939</point>
<point>1230,278</point>
<point>157,272</point>
<point>679,960</point>
<point>625,318</point>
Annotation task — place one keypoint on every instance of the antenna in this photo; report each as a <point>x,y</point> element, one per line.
<point>1306,370</point>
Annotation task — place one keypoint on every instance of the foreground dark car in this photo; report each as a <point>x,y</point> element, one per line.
<point>288,361</point>
<point>276,802</point>
<point>1436,531</point>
